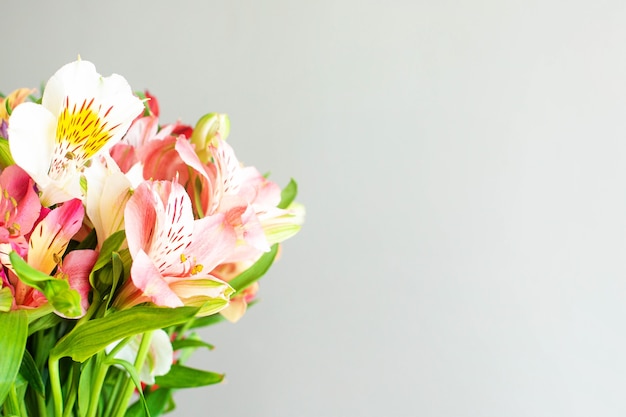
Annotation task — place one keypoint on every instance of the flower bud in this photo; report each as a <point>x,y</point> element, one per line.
<point>210,127</point>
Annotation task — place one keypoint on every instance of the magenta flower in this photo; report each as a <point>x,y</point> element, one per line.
<point>47,244</point>
<point>19,207</point>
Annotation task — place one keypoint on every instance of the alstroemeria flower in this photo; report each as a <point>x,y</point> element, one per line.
<point>16,97</point>
<point>19,207</point>
<point>50,238</point>
<point>81,115</point>
<point>47,244</point>
<point>173,253</point>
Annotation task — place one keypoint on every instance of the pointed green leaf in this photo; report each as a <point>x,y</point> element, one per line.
<point>103,275</point>
<point>191,343</point>
<point>134,376</point>
<point>31,374</point>
<point>84,386</point>
<point>93,336</point>
<point>288,194</point>
<point>14,325</point>
<point>112,244</point>
<point>206,321</point>
<point>256,271</point>
<point>7,107</point>
<point>183,377</point>
<point>156,401</point>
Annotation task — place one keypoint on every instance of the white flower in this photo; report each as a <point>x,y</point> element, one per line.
<point>82,114</point>
<point>159,359</point>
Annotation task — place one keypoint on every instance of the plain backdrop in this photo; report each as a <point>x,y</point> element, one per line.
<point>463,164</point>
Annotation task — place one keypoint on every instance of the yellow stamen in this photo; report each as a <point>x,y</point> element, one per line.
<point>81,130</point>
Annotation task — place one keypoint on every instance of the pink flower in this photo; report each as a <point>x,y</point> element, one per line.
<point>19,207</point>
<point>47,244</point>
<point>75,268</point>
<point>170,250</point>
<point>239,303</point>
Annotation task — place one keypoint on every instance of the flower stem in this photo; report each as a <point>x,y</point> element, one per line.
<point>55,384</point>
<point>113,400</point>
<point>70,397</point>
<point>41,405</point>
<point>127,391</point>
<point>101,372</point>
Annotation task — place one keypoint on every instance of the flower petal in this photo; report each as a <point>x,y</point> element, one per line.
<point>31,140</point>
<point>148,279</point>
<point>19,200</point>
<point>52,235</point>
<point>77,266</point>
<point>108,190</point>
<point>212,242</point>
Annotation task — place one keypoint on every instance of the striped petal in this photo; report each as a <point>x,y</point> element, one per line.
<point>52,235</point>
<point>82,114</point>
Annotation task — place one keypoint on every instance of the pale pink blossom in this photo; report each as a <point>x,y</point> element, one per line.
<point>173,253</point>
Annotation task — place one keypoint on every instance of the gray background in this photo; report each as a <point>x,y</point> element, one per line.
<point>464,168</point>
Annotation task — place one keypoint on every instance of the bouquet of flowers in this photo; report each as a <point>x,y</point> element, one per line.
<point>119,238</point>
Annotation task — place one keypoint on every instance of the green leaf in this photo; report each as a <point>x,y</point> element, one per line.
<point>288,194</point>
<point>6,158</point>
<point>256,271</point>
<point>183,377</point>
<point>93,336</point>
<point>112,244</point>
<point>42,323</point>
<point>12,345</point>
<point>191,343</point>
<point>134,376</point>
<point>64,299</point>
<point>206,321</point>
<point>156,401</point>
<point>7,107</point>
<point>84,386</point>
<point>104,274</point>
<point>31,374</point>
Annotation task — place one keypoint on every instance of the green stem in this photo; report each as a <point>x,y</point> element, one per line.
<point>14,403</point>
<point>119,347</point>
<point>41,405</point>
<point>70,397</point>
<point>93,307</point>
<point>97,385</point>
<point>144,347</point>
<point>113,400</point>
<point>55,384</point>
